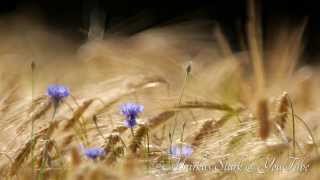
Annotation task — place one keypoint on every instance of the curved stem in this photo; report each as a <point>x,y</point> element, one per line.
<point>179,102</point>
<point>309,131</point>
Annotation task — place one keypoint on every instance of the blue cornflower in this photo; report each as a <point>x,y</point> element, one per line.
<point>57,92</point>
<point>94,153</point>
<point>131,111</point>
<point>181,150</point>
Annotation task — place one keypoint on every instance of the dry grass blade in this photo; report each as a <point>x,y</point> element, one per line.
<point>159,119</point>
<point>77,114</point>
<point>204,105</point>
<point>263,118</point>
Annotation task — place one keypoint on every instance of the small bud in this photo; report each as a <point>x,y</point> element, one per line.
<point>33,65</point>
<point>188,69</point>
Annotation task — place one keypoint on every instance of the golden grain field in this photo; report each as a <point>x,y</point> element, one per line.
<point>252,113</point>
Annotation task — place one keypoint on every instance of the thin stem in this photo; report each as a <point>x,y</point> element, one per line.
<point>183,127</point>
<point>170,146</point>
<point>122,141</point>
<point>55,107</point>
<point>32,122</point>
<point>179,102</point>
<point>68,106</point>
<point>74,100</point>
<point>111,121</point>
<point>60,157</point>
<point>293,127</point>
<point>148,143</point>
<point>132,132</point>
<point>192,116</point>
<point>309,131</point>
<point>170,141</point>
<point>32,148</point>
<point>43,161</point>
<point>95,120</point>
<point>148,150</point>
<point>280,131</point>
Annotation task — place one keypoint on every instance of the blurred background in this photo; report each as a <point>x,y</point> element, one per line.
<point>129,17</point>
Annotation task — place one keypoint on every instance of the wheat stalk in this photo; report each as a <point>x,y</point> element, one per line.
<point>23,155</point>
<point>209,127</point>
<point>204,105</point>
<point>77,114</point>
<point>159,119</point>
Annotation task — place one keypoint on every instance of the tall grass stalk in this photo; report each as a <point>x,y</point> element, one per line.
<point>187,76</point>
<point>33,66</point>
<point>293,126</point>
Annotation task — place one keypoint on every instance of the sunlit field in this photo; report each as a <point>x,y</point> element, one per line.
<point>171,102</point>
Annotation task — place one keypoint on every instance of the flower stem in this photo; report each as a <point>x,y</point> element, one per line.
<point>132,132</point>
<point>183,127</point>
<point>44,158</point>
